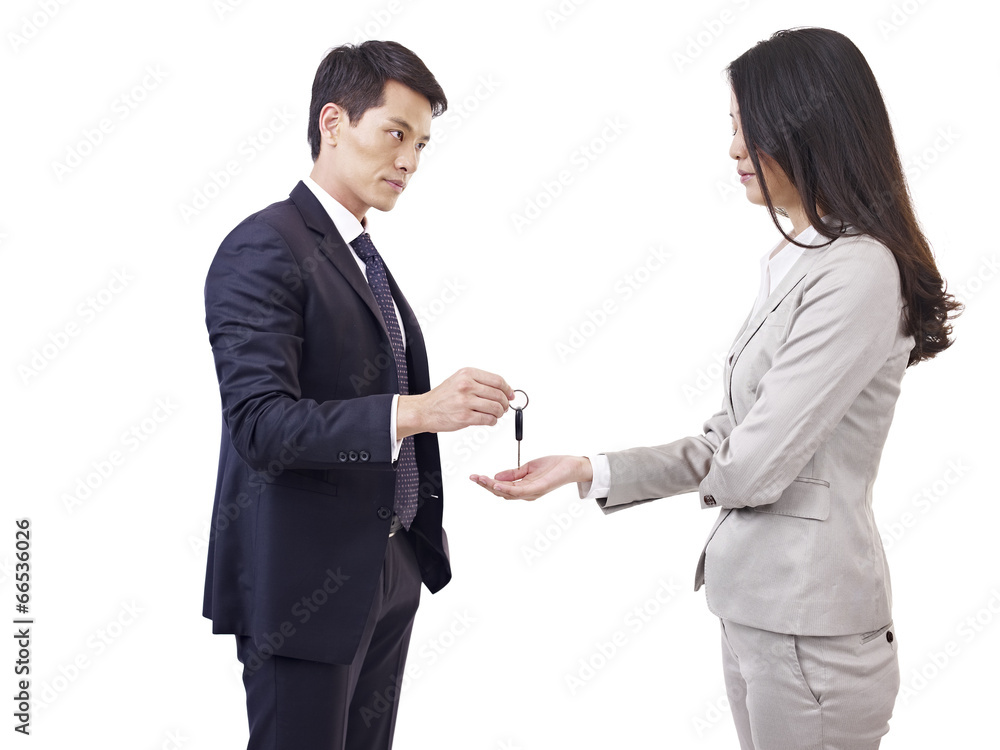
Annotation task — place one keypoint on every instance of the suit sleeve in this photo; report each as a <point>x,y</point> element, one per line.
<point>839,337</point>
<point>256,329</point>
<point>639,475</point>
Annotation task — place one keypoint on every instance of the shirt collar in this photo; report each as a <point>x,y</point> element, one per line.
<point>777,262</point>
<point>347,224</point>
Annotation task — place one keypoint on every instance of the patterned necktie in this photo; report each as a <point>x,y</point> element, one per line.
<point>407,477</point>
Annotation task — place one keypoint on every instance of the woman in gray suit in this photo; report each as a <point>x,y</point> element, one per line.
<point>849,298</point>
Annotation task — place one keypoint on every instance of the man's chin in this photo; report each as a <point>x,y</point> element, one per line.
<point>386,205</point>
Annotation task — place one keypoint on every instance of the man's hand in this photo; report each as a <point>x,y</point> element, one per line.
<point>538,477</point>
<point>469,397</point>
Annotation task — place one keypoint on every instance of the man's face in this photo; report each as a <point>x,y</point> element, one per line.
<point>371,161</point>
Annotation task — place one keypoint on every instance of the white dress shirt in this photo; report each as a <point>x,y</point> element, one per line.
<point>773,267</point>
<point>350,229</point>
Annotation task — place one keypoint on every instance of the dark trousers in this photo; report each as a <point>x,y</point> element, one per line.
<point>296,704</point>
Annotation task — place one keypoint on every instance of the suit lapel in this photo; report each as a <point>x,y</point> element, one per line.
<point>334,247</point>
<point>754,322</point>
<point>339,254</point>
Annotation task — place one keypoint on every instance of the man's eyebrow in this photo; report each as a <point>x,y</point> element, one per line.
<point>404,124</point>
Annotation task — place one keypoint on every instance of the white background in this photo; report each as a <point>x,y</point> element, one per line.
<point>117,576</point>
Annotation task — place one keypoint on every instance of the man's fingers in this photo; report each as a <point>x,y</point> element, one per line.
<point>491,380</point>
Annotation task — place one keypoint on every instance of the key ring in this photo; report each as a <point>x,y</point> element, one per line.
<point>519,408</point>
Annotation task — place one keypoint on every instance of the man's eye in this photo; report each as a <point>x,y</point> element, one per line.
<point>421,146</point>
<point>397,134</point>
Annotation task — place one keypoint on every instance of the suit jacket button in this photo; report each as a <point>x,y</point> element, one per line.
<point>353,455</point>
<point>342,456</point>
<point>709,500</point>
<point>384,513</point>
<point>364,455</point>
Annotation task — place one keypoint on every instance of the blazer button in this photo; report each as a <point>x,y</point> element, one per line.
<point>364,455</point>
<point>353,455</point>
<point>384,513</point>
<point>709,500</point>
<point>342,457</point>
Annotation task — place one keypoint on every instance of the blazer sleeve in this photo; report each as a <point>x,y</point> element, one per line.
<point>639,475</point>
<point>256,329</point>
<point>840,334</point>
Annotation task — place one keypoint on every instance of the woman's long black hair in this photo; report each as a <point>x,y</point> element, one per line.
<point>809,102</point>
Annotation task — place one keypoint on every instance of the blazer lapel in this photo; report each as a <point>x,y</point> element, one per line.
<point>754,322</point>
<point>334,247</point>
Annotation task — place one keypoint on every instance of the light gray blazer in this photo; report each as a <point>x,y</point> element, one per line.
<point>810,387</point>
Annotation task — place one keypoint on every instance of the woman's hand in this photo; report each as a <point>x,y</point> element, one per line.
<point>538,477</point>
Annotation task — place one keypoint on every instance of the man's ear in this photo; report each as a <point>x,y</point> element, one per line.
<point>332,118</point>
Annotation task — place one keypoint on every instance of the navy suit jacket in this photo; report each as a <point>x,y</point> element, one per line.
<point>306,482</point>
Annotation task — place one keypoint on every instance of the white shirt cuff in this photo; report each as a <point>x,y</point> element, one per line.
<point>392,428</point>
<point>600,486</point>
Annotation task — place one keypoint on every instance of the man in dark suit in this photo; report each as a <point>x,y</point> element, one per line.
<point>328,502</point>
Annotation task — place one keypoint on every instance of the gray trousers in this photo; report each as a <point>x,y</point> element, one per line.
<point>793,692</point>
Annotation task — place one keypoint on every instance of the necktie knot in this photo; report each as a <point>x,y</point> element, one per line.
<point>364,247</point>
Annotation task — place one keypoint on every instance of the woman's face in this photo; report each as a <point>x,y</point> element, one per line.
<point>783,192</point>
